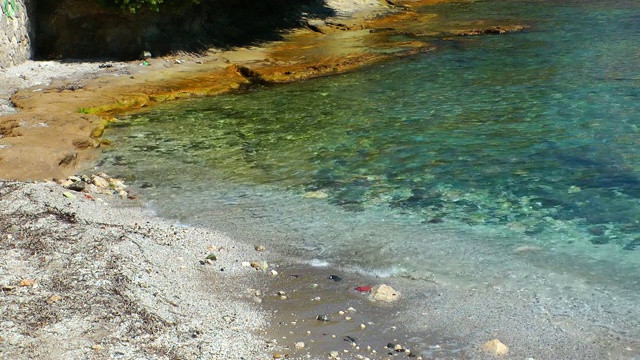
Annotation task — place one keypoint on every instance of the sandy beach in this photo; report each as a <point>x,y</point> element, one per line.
<point>87,273</point>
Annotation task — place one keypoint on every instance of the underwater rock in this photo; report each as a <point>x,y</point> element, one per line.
<point>316,195</point>
<point>599,240</point>
<point>632,245</point>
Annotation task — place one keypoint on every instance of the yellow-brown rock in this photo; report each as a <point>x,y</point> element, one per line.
<point>496,347</point>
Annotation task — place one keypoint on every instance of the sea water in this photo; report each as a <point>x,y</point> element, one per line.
<point>511,154</point>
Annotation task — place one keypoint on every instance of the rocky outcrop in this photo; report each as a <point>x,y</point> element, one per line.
<point>16,32</point>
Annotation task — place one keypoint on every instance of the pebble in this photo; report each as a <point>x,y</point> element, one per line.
<point>322,317</point>
<point>68,195</point>
<point>299,345</point>
<point>259,248</point>
<point>384,293</point>
<point>316,195</point>
<point>54,298</point>
<point>496,347</point>
<point>274,273</point>
<point>27,282</point>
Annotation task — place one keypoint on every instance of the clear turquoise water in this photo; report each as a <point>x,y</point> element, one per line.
<point>439,166</point>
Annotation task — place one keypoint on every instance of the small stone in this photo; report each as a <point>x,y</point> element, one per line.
<point>299,345</point>
<point>99,181</point>
<point>281,293</point>
<point>259,248</point>
<point>54,298</point>
<point>246,264</point>
<point>362,326</point>
<point>495,347</point>
<point>398,348</point>
<point>27,282</point>
<point>68,195</point>
<point>347,318</point>
<point>384,293</point>
<point>262,265</point>
<point>212,257</point>
<point>322,317</point>
<point>76,186</point>
<point>277,356</point>
<point>209,262</point>
<point>351,309</point>
<point>274,273</point>
<point>334,355</point>
<point>316,195</point>
<point>335,277</point>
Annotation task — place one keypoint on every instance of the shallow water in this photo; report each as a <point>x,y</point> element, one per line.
<point>497,157</point>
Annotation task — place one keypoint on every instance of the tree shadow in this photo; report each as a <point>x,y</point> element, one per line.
<point>83,29</point>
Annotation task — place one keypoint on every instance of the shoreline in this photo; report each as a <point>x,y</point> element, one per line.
<point>64,107</point>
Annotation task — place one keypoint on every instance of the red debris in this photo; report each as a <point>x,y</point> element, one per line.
<point>364,288</point>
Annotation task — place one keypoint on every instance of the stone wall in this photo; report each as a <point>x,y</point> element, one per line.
<point>16,33</point>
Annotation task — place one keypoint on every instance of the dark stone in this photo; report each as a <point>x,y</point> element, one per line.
<point>599,240</point>
<point>349,338</point>
<point>76,186</point>
<point>596,230</point>
<point>335,277</point>
<point>322,317</point>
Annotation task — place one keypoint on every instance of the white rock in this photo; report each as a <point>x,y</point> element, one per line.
<point>99,181</point>
<point>299,345</point>
<point>384,293</point>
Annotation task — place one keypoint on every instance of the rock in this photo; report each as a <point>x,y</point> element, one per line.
<point>117,184</point>
<point>277,356</point>
<point>316,195</point>
<point>99,181</point>
<point>299,345</point>
<point>495,347</point>
<point>262,265</point>
<point>54,298</point>
<point>334,355</point>
<point>211,257</point>
<point>384,293</point>
<point>335,277</point>
<point>322,317</point>
<point>259,248</point>
<point>76,186</point>
<point>274,273</point>
<point>68,195</point>
<point>27,282</point>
